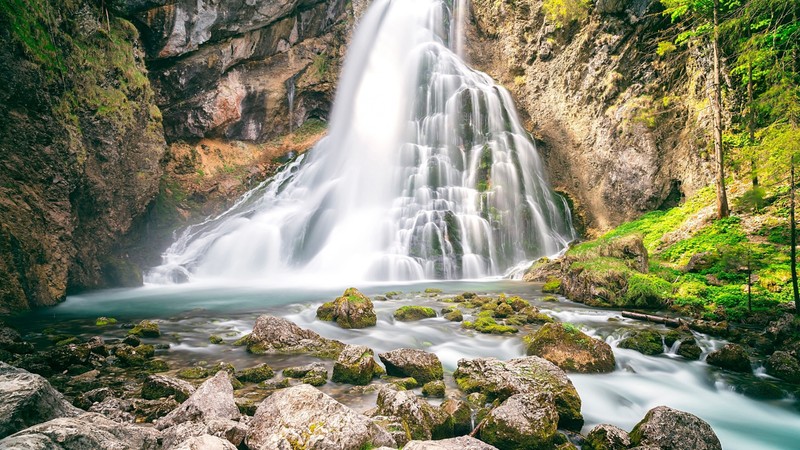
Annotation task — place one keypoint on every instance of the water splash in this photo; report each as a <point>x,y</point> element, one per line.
<point>426,173</point>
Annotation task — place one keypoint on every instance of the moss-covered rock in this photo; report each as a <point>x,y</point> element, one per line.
<point>454,315</point>
<point>160,386</point>
<point>146,328</point>
<point>607,437</point>
<point>355,365</point>
<point>552,285</point>
<point>522,422</point>
<point>255,374</point>
<point>433,389</point>
<point>311,371</point>
<point>461,414</point>
<point>783,365</point>
<point>488,325</point>
<point>503,310</point>
<point>570,349</point>
<point>352,310</point>
<point>134,356</point>
<point>409,313</point>
<point>277,335</point>
<point>730,357</point>
<point>664,427</point>
<point>105,321</point>
<point>418,417</point>
<point>644,341</point>
<point>690,350</point>
<point>408,362</point>
<point>214,339</point>
<point>274,384</point>
<point>405,384</point>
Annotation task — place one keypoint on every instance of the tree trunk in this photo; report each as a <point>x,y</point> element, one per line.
<point>793,239</point>
<point>751,121</point>
<point>716,106</point>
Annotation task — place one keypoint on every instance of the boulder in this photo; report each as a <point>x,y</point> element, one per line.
<point>160,386</point>
<point>204,442</point>
<point>212,400</point>
<point>147,329</point>
<point>11,341</point>
<point>134,356</point>
<point>523,421</point>
<point>27,399</point>
<point>502,379</point>
<point>410,313</point>
<point>255,374</point>
<point>277,335</point>
<point>459,443</point>
<point>231,431</point>
<point>89,398</point>
<point>408,362</point>
<point>355,365</point>
<point>433,389</point>
<point>731,357</point>
<point>572,350</point>
<point>314,374</point>
<point>461,414</point>
<point>420,419</point>
<point>352,310</point>
<point>678,430</point>
<point>304,417</point>
<point>607,437</point>
<point>783,365</point>
<point>644,341</point>
<point>87,431</point>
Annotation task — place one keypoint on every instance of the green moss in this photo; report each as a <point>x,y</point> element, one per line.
<point>214,339</point>
<point>409,313</point>
<point>193,373</point>
<point>241,341</point>
<point>552,285</point>
<point>646,342</point>
<point>105,321</point>
<point>392,294</point>
<point>434,388</point>
<point>255,374</point>
<point>146,328</point>
<point>488,325</point>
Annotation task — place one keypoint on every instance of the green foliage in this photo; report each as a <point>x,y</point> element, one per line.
<point>665,47</point>
<point>647,291</point>
<point>564,12</point>
<point>320,64</point>
<point>752,200</point>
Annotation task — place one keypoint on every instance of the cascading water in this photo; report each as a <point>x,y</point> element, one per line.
<point>426,173</point>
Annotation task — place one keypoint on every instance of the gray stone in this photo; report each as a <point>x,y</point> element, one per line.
<point>607,437</point>
<point>730,357</point>
<point>409,362</point>
<point>418,417</point>
<point>459,443</point>
<point>783,365</point>
<point>160,386</point>
<point>522,422</point>
<point>204,442</point>
<point>355,365</point>
<point>231,431</point>
<point>302,416</point>
<point>212,400</point>
<point>277,335</point>
<point>677,430</point>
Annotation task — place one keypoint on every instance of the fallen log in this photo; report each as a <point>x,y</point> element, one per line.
<point>668,321</point>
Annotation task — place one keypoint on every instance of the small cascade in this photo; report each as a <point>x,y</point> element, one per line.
<point>458,31</point>
<point>290,90</point>
<point>426,173</point>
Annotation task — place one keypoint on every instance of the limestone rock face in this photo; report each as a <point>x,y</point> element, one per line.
<point>27,399</point>
<point>212,400</point>
<point>303,416</point>
<point>277,335</point>
<point>82,432</point>
<point>665,427</point>
<point>571,350</point>
<point>502,379</point>
<point>408,362</point>
<point>523,421</point>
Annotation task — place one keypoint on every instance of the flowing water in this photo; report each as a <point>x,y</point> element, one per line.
<point>426,173</point>
<point>188,314</point>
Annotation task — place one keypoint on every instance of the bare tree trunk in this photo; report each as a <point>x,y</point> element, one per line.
<point>722,197</point>
<point>751,121</point>
<point>793,239</point>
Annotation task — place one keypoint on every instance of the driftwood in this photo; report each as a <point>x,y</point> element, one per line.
<point>668,321</point>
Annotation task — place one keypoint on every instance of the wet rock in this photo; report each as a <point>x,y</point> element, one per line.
<point>87,399</point>
<point>731,357</point>
<point>274,384</point>
<point>132,340</point>
<point>204,442</point>
<point>27,399</point>
<point>355,365</point>
<point>410,313</point>
<point>459,443</point>
<point>669,428</point>
<point>229,430</point>
<point>461,414</point>
<point>212,400</point>
<point>523,421</point>
<point>193,373</point>
<point>214,339</point>
<point>690,350</point>
<point>160,386</point>
<point>87,431</point>
<point>783,365</point>
<point>419,418</point>
<point>572,350</point>
<point>352,310</point>
<point>304,417</point>
<point>418,364</point>
<point>105,321</point>
<point>502,379</point>
<point>117,409</point>
<point>392,425</point>
<point>781,328</point>
<point>134,356</point>
<point>97,346</point>
<point>255,374</point>
<point>277,335</point>
<point>314,374</point>
<point>146,328</point>
<point>454,315</point>
<point>405,383</point>
<point>433,389</point>
<point>607,437</point>
<point>644,341</point>
<point>11,341</point>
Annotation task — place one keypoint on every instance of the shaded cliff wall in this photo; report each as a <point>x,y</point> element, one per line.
<point>80,148</point>
<point>621,132</point>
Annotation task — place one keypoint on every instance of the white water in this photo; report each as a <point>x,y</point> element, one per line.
<point>426,173</point>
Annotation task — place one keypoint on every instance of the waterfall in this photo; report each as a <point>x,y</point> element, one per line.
<point>290,88</point>
<point>425,173</point>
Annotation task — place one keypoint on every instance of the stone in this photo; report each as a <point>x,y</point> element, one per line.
<point>783,365</point>
<point>418,417</point>
<point>87,431</point>
<point>498,380</point>
<point>355,365</point>
<point>160,386</point>
<point>454,315</point>
<point>304,417</point>
<point>433,389</point>
<point>231,431</point>
<point>212,400</point>
<point>607,437</point>
<point>277,335</point>
<point>146,329</point>
<point>28,399</point>
<point>411,313</point>
<point>572,350</point>
<point>134,356</point>
<point>690,350</point>
<point>204,442</point>
<point>11,341</point>
<point>458,443</point>
<point>352,310</point>
<point>678,430</point>
<point>255,374</point>
<point>644,341</point>
<point>313,370</point>
<point>522,422</point>
<point>408,362</point>
<point>88,398</point>
<point>731,357</point>
<point>461,414</point>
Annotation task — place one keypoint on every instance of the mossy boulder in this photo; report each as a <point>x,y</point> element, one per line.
<point>690,350</point>
<point>783,365</point>
<point>731,357</point>
<point>105,321</point>
<point>408,362</point>
<point>147,329</point>
<point>214,339</point>
<point>314,374</point>
<point>644,341</point>
<point>255,374</point>
<point>498,380</point>
<point>134,356</point>
<point>664,427</point>
<point>433,389</point>
<point>193,373</point>
<point>607,437</point>
<point>352,310</point>
<point>355,365</point>
<point>160,386</point>
<point>503,310</point>
<point>409,313</point>
<point>405,384</point>
<point>461,414</point>
<point>420,419</point>
<point>570,349</point>
<point>533,315</point>
<point>454,315</point>
<point>488,325</point>
<point>277,335</point>
<point>526,421</point>
<point>552,285</point>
